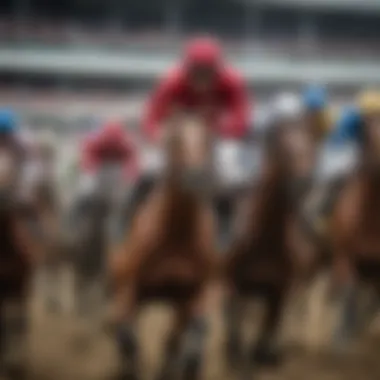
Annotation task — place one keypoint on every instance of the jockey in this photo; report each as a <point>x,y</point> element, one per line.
<point>204,84</point>
<point>319,116</point>
<point>109,144</point>
<point>345,140</point>
<point>349,128</point>
<point>19,145</point>
<point>287,107</point>
<point>22,148</point>
<point>284,108</point>
<point>9,137</point>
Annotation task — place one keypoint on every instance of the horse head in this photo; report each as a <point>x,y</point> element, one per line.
<point>189,147</point>
<point>291,152</point>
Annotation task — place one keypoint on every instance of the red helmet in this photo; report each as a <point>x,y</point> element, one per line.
<point>112,131</point>
<point>203,52</point>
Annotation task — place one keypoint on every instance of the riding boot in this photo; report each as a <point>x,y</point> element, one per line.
<point>130,205</point>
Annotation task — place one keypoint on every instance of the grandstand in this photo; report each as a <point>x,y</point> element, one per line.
<point>114,51</point>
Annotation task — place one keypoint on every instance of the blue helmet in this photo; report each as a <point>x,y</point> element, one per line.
<point>8,122</point>
<point>315,98</point>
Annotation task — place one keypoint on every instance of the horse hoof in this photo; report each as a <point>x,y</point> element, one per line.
<point>267,356</point>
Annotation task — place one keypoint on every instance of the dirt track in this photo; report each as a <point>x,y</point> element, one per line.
<point>57,351</point>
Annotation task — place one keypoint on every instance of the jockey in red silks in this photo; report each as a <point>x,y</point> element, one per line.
<point>205,84</point>
<point>107,146</point>
<point>111,144</point>
<point>202,83</point>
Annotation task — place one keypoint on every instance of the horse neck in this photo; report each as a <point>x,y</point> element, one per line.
<point>273,206</point>
<point>180,208</point>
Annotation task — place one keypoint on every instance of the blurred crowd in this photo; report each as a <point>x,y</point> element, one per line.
<point>66,34</point>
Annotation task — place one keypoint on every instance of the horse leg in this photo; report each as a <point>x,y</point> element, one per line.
<point>83,279</point>
<point>126,308</point>
<point>81,289</point>
<point>51,283</point>
<point>266,351</point>
<point>171,360</point>
<point>233,320</point>
<point>370,303</point>
<point>349,316</point>
<point>346,289</point>
<point>194,340</point>
<point>17,328</point>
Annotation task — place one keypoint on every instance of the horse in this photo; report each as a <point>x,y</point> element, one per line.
<point>265,259</point>
<point>170,254</point>
<point>48,202</point>
<point>92,224</point>
<point>355,240</point>
<point>19,253</point>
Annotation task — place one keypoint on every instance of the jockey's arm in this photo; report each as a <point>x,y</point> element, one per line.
<point>235,119</point>
<point>158,108</point>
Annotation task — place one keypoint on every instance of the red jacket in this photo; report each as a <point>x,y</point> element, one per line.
<point>109,144</point>
<point>227,101</point>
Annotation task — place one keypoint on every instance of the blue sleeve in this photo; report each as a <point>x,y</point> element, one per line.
<point>347,128</point>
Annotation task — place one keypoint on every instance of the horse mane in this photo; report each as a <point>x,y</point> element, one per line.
<point>181,206</point>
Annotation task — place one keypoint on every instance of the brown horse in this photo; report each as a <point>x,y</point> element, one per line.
<point>263,261</point>
<point>355,233</point>
<point>169,253</point>
<point>18,253</point>
<point>48,203</point>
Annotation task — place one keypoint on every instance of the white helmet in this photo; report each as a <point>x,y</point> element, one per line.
<point>287,107</point>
